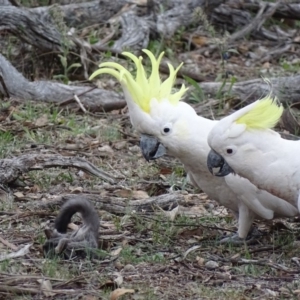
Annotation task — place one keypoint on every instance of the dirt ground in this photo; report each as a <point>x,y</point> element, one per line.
<point>153,253</point>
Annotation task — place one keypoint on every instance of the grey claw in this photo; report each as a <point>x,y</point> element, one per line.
<point>236,240</point>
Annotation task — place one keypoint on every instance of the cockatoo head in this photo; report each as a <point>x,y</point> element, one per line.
<point>156,111</point>
<point>236,138</point>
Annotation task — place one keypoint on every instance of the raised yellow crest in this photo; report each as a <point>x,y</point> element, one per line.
<point>264,114</point>
<point>142,89</point>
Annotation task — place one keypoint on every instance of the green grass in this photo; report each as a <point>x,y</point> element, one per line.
<point>5,265</point>
<point>55,268</point>
<point>131,255</point>
<point>8,142</point>
<point>288,66</point>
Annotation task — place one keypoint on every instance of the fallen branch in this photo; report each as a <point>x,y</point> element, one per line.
<point>181,13</point>
<point>11,169</point>
<point>120,205</point>
<point>286,88</point>
<point>264,13</point>
<point>37,26</point>
<point>276,52</point>
<point>21,252</point>
<point>40,26</point>
<point>285,9</point>
<point>261,262</point>
<point>16,85</point>
<point>33,291</point>
<point>8,244</point>
<point>235,17</point>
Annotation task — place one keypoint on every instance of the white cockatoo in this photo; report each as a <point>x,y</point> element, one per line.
<point>244,143</point>
<point>168,124</point>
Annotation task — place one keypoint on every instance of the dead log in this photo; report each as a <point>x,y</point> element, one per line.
<point>182,13</point>
<point>11,169</point>
<point>264,13</point>
<point>30,27</point>
<point>284,9</point>
<point>42,26</point>
<point>235,18</point>
<point>4,3</point>
<point>13,83</point>
<point>287,89</point>
<point>135,32</point>
<point>121,205</point>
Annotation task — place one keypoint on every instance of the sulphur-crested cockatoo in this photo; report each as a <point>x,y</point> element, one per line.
<point>168,124</point>
<point>245,143</point>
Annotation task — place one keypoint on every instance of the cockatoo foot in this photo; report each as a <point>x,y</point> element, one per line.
<point>234,239</point>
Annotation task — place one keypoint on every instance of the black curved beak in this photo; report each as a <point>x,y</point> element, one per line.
<point>217,165</point>
<point>151,147</point>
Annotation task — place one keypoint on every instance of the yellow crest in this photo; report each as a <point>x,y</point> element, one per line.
<point>263,115</point>
<point>143,89</point>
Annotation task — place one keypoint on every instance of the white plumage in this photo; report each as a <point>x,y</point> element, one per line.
<point>257,152</point>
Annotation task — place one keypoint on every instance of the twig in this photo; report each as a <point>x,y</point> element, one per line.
<point>23,290</point>
<point>189,225</point>
<point>277,52</point>
<point>8,244</point>
<point>21,252</point>
<point>182,72</point>
<point>14,279</point>
<point>49,161</point>
<point>264,263</point>
<point>79,103</point>
<point>104,41</point>
<point>11,169</point>
<point>68,101</point>
<point>262,249</point>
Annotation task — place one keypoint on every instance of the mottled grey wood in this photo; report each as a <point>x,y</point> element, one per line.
<point>4,2</point>
<point>39,26</point>
<point>11,169</point>
<point>53,92</point>
<point>135,32</point>
<point>286,88</point>
<point>179,13</point>
<point>121,205</point>
<point>236,18</point>
<point>285,9</point>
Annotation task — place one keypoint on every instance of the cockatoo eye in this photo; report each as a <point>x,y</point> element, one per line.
<point>167,129</point>
<point>230,150</point>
